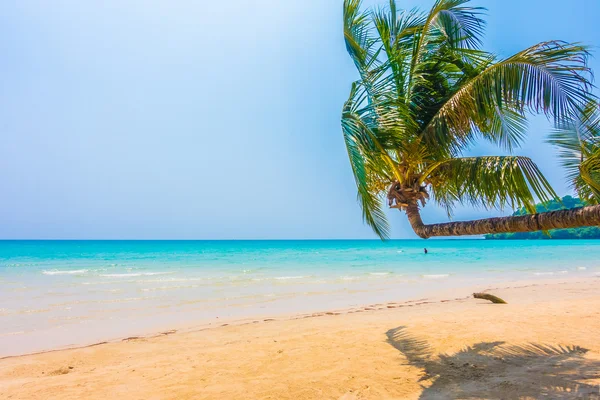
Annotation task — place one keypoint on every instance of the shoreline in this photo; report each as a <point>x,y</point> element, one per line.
<point>58,296</point>
<point>542,343</point>
<point>191,327</point>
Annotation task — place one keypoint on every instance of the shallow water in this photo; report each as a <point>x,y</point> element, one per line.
<point>60,293</point>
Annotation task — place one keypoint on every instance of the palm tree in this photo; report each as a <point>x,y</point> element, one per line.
<point>427,92</point>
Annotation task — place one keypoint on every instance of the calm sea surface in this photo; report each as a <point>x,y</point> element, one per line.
<point>61,293</point>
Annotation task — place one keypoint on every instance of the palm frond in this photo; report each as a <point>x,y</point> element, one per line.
<point>448,22</point>
<point>461,26</point>
<point>506,127</point>
<point>590,174</point>
<point>578,140</point>
<point>551,78</point>
<point>368,167</point>
<point>396,33</point>
<point>363,49</point>
<point>490,182</point>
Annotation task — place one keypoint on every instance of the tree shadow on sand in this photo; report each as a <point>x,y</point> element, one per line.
<point>498,371</point>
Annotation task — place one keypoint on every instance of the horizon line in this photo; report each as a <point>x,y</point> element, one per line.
<point>232,240</point>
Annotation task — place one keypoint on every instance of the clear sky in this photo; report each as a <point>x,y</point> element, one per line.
<point>190,119</point>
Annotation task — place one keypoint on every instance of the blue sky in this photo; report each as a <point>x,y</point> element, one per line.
<point>205,119</point>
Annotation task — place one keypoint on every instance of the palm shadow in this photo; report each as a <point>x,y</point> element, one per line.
<point>497,371</point>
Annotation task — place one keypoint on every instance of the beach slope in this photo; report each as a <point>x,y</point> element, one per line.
<point>545,343</point>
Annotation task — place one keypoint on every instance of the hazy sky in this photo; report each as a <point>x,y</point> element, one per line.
<point>204,119</point>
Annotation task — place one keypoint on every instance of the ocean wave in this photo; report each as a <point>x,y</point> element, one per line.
<point>379,273</point>
<point>436,276</point>
<point>548,273</point>
<point>167,280</point>
<point>543,273</point>
<point>107,291</point>
<point>65,272</point>
<point>158,273</point>
<point>581,268</point>
<point>285,278</point>
<point>350,278</point>
<point>167,288</point>
<point>134,274</point>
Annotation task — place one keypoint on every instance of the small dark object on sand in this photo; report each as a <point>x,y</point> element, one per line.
<point>490,297</point>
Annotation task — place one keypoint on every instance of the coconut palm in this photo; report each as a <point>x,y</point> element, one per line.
<point>427,91</point>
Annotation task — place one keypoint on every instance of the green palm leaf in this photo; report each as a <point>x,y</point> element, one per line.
<point>368,166</point>
<point>490,182</point>
<point>549,78</point>
<point>578,140</point>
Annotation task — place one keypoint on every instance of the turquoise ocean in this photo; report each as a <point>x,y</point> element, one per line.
<point>56,294</point>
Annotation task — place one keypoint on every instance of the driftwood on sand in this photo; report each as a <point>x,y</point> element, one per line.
<point>490,297</point>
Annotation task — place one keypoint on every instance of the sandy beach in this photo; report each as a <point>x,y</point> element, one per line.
<point>543,344</point>
<point>342,199</point>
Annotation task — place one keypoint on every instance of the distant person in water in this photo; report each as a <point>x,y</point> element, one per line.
<point>425,251</point>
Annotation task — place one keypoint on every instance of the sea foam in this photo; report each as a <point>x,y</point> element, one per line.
<point>550,273</point>
<point>134,274</point>
<point>284,278</point>
<point>65,272</point>
<point>436,276</point>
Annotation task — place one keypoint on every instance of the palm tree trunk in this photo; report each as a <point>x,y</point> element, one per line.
<point>573,218</point>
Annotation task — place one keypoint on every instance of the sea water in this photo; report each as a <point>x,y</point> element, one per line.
<point>56,294</point>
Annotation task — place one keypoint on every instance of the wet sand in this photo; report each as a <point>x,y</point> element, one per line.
<point>545,343</point>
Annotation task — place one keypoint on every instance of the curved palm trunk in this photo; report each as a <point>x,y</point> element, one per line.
<point>574,218</point>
